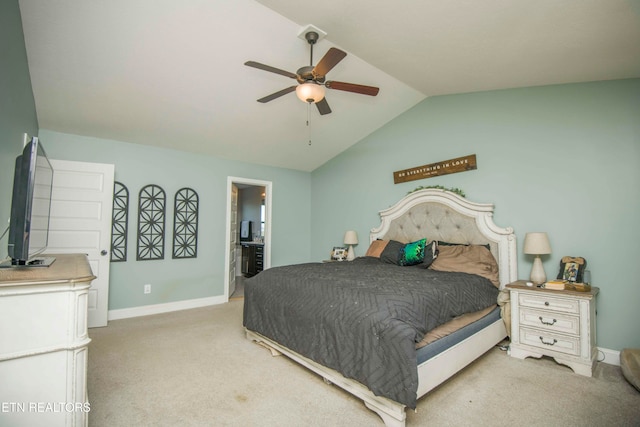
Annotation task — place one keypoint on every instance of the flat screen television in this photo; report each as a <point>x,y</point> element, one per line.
<point>30,208</point>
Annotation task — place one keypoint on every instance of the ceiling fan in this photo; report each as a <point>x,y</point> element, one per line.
<point>311,79</point>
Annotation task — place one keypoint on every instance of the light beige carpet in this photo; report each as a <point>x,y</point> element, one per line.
<point>195,368</point>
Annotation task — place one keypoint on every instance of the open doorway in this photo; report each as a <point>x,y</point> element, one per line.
<point>248,230</point>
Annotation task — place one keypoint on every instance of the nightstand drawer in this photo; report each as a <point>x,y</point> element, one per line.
<point>550,341</point>
<point>547,302</point>
<point>550,321</point>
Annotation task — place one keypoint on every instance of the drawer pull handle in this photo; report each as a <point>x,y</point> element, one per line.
<point>547,323</point>
<point>548,343</point>
<point>546,303</point>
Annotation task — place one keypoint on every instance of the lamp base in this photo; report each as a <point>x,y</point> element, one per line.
<point>538,276</point>
<point>350,253</point>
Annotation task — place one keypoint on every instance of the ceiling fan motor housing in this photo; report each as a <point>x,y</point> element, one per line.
<point>305,75</point>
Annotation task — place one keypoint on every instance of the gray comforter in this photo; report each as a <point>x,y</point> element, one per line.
<point>361,318</point>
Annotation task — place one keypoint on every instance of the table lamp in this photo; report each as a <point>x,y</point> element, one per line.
<point>350,238</point>
<point>537,244</point>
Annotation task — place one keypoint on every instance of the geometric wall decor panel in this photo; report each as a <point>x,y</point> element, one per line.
<point>185,224</point>
<point>151,214</point>
<point>119,222</point>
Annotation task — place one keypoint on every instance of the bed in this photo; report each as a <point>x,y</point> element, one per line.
<point>359,324</point>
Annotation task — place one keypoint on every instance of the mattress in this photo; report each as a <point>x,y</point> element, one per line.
<point>433,349</point>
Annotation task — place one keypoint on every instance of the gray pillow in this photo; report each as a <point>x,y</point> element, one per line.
<point>392,253</point>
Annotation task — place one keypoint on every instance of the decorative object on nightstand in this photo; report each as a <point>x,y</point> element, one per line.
<point>350,238</point>
<point>537,244</point>
<point>572,269</point>
<point>556,285</point>
<point>338,253</point>
<point>587,277</point>
<point>555,323</point>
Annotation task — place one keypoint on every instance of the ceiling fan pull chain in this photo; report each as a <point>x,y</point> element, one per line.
<point>308,121</point>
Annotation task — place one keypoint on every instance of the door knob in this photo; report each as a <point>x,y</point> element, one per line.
<point>103,252</point>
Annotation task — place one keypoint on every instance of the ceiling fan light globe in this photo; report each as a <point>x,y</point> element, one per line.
<point>310,92</point>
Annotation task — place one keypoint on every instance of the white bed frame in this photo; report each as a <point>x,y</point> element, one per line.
<point>437,215</point>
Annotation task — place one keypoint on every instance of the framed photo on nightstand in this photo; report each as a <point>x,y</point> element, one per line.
<point>339,253</point>
<point>572,269</point>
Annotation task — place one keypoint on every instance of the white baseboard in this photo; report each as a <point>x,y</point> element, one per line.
<point>611,357</point>
<point>146,310</point>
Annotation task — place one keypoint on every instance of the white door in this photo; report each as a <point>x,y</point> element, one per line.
<point>80,222</point>
<point>233,226</point>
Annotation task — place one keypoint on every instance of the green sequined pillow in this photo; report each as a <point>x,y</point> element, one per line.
<point>413,253</point>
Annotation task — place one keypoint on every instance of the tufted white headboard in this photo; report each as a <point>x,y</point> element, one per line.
<point>445,216</point>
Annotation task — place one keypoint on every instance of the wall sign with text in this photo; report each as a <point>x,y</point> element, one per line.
<point>460,164</point>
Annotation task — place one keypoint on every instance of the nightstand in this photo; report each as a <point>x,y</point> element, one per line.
<point>558,324</point>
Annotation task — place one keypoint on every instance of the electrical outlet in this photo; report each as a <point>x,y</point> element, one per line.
<point>147,289</point>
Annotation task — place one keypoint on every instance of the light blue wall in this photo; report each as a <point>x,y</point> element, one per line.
<point>562,159</point>
<point>175,280</point>
<point>17,107</point>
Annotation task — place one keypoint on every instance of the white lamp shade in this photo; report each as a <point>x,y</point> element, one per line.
<point>536,244</point>
<point>350,238</point>
<point>310,92</point>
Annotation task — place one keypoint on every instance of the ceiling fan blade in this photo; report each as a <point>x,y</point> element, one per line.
<point>270,69</point>
<point>328,61</point>
<point>277,94</point>
<point>323,106</point>
<point>350,87</point>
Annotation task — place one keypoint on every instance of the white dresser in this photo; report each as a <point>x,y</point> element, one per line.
<point>43,343</point>
<point>558,324</point>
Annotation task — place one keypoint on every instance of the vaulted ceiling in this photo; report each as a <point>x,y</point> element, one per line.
<point>171,73</point>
